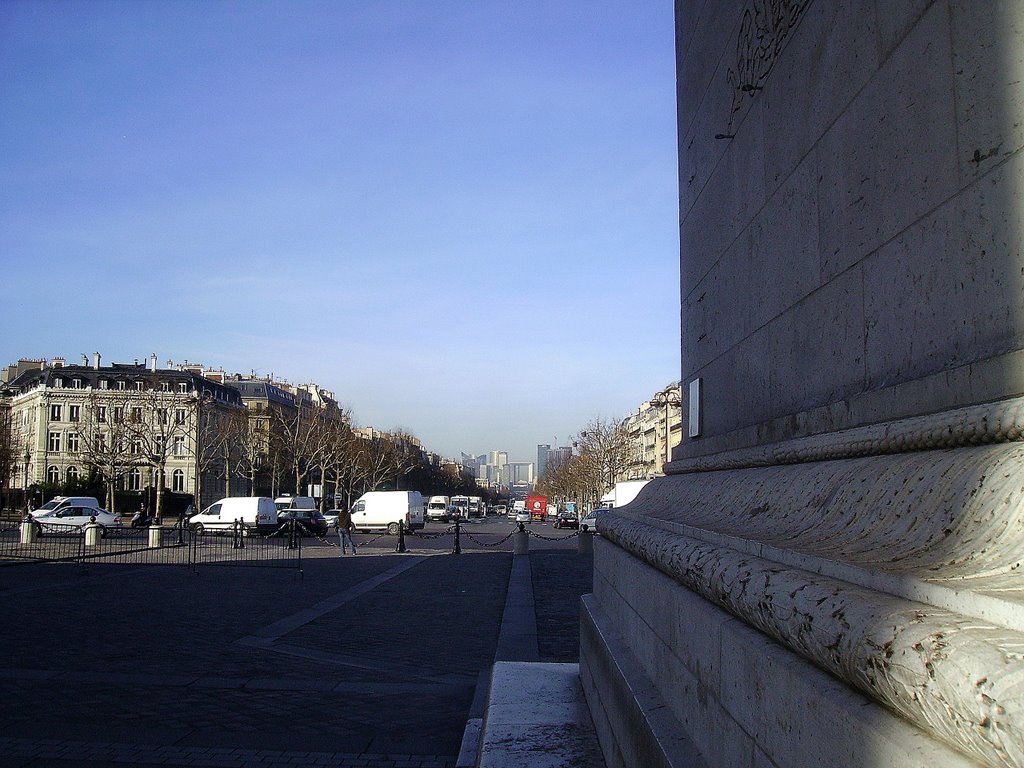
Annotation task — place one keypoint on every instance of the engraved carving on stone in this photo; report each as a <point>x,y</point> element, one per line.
<point>764,30</point>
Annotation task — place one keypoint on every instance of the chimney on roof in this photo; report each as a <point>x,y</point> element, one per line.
<point>85,360</point>
<point>152,362</point>
<point>58,362</point>
<point>96,360</point>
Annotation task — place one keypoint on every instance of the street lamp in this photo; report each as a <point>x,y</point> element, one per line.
<point>667,398</point>
<point>24,485</point>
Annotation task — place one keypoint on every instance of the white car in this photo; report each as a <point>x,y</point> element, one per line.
<point>589,523</point>
<point>63,502</point>
<point>331,516</point>
<point>64,520</point>
<point>522,516</point>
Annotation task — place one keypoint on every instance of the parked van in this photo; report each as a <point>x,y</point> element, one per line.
<point>384,510</point>
<point>61,502</point>
<point>460,507</point>
<point>294,502</point>
<point>437,508</point>
<point>253,511</point>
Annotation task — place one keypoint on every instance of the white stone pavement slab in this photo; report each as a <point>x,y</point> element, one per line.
<point>537,717</point>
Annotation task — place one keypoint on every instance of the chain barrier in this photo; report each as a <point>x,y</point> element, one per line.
<point>475,540</point>
<point>431,536</point>
<point>553,538</point>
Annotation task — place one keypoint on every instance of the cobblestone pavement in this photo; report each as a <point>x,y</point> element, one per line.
<point>367,661</point>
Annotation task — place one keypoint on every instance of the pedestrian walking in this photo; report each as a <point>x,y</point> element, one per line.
<point>344,528</point>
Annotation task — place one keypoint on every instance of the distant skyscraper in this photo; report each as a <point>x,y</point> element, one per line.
<point>542,459</point>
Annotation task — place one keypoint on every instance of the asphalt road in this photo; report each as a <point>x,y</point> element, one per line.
<point>370,660</point>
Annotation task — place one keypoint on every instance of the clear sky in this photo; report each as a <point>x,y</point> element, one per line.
<point>460,216</point>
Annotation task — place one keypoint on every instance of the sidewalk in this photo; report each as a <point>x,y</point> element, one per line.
<point>370,661</point>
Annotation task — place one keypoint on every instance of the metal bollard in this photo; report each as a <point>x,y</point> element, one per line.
<point>29,530</point>
<point>401,537</point>
<point>585,545</point>
<point>521,546</point>
<point>291,535</point>
<point>458,544</point>
<point>92,534</point>
<point>155,536</point>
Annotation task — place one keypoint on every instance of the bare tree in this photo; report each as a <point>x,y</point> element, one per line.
<point>105,440</point>
<point>253,448</point>
<point>606,454</point>
<point>338,455</point>
<point>13,442</point>
<point>304,440</point>
<point>159,426</point>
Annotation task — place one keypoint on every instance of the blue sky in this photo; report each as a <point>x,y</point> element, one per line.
<point>458,216</point>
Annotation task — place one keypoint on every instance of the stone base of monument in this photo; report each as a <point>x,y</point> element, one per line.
<point>860,605</point>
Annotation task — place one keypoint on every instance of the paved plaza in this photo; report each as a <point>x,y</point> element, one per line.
<point>371,660</point>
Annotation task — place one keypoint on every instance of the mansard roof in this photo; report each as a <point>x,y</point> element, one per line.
<point>89,376</point>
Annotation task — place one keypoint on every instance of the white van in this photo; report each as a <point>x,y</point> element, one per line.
<point>437,508</point>
<point>294,502</point>
<point>384,510</point>
<point>61,502</point>
<point>253,511</point>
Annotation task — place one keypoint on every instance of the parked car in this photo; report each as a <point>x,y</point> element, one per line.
<point>66,519</point>
<point>566,520</point>
<point>309,520</point>
<point>331,516</point>
<point>589,523</point>
<point>62,502</point>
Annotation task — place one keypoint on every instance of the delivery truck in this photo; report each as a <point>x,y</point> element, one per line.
<point>387,510</point>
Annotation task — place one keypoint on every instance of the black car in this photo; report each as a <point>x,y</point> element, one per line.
<point>567,520</point>
<point>309,521</point>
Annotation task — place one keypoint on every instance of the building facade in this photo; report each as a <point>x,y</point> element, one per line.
<point>655,428</point>
<point>138,427</point>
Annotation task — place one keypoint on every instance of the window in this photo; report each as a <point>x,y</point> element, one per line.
<point>104,384</point>
<point>183,386</point>
<point>138,385</point>
<point>179,416</point>
<point>135,480</point>
<point>54,442</point>
<point>76,383</point>
<point>71,475</point>
<point>179,446</point>
<point>55,412</point>
<point>136,448</point>
<point>53,475</point>
<point>164,415</point>
<point>121,386</point>
<point>72,442</point>
<point>178,481</point>
<point>58,382</point>
<point>118,414</point>
<point>136,415</point>
<point>101,414</point>
<point>101,442</point>
<point>74,412</point>
<point>165,386</point>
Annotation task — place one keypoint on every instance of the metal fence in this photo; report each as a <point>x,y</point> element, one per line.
<point>239,545</point>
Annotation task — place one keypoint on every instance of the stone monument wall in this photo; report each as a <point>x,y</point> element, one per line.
<point>850,212</point>
<point>831,572</point>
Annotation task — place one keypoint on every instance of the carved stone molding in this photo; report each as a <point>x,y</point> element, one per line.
<point>998,422</point>
<point>957,678</point>
<point>900,574</point>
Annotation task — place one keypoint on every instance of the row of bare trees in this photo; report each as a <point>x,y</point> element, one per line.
<point>275,451</point>
<point>605,454</point>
